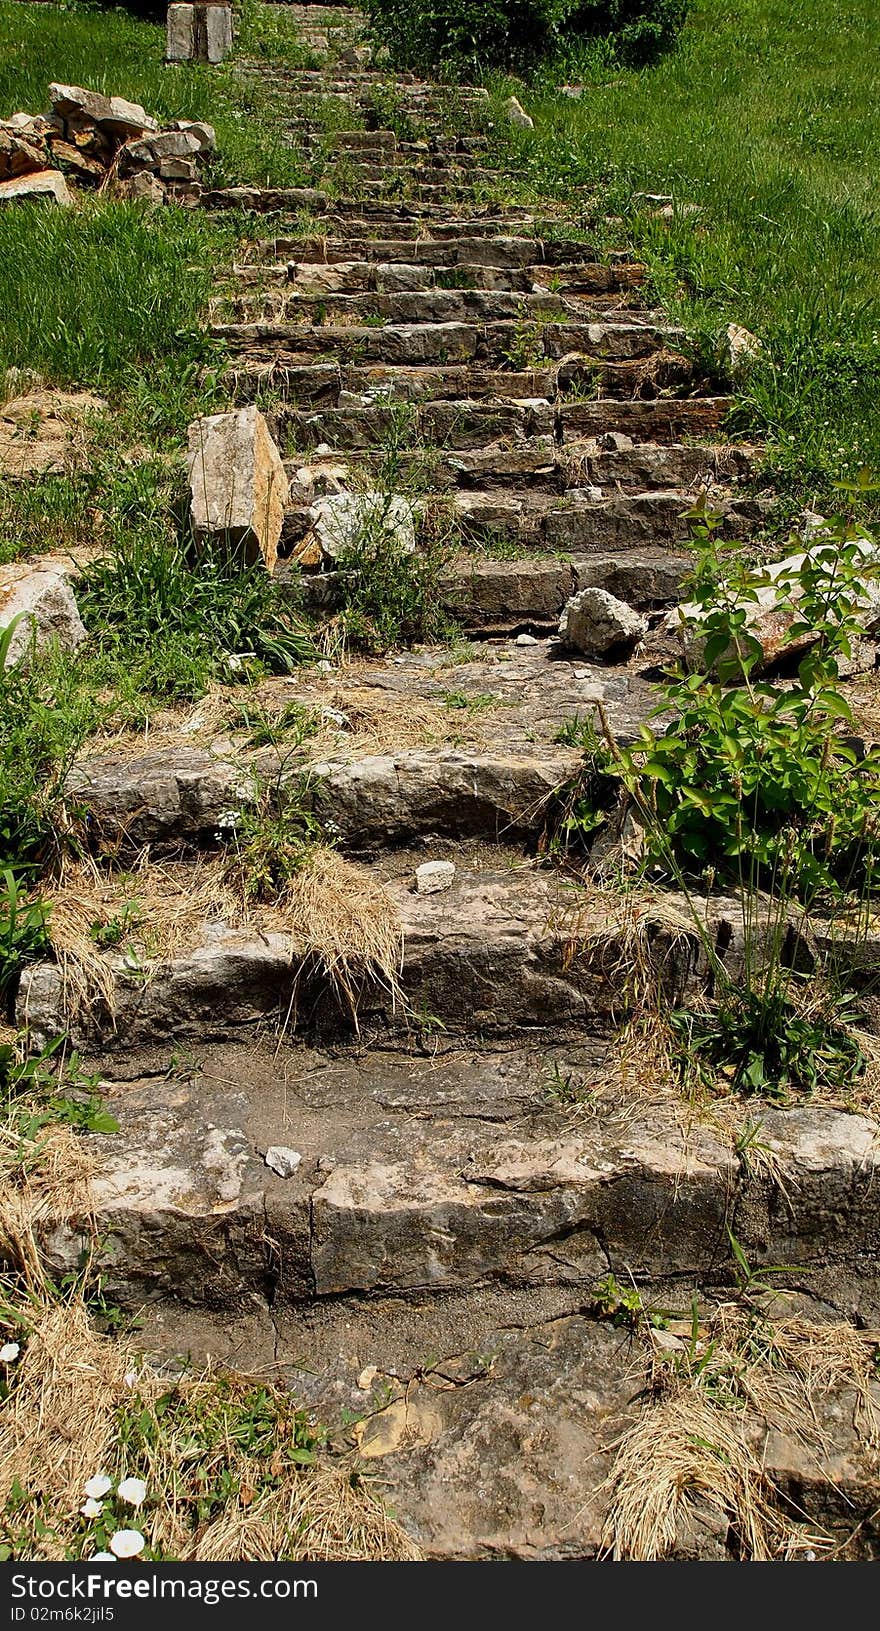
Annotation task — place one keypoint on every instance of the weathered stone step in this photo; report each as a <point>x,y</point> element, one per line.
<point>288,306</point>
<point>509,948</point>
<point>453,340</point>
<point>492,597</point>
<point>597,280</point>
<point>460,244</point>
<point>171,799</point>
<point>430,1176</point>
<point>543,466</point>
<point>471,423</point>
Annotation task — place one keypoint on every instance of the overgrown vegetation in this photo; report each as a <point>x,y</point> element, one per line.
<point>471,36</point>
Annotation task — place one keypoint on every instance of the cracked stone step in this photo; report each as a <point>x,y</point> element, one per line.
<point>348,276</point>
<point>493,1420</point>
<point>545,468</point>
<point>453,247</point>
<point>441,341</point>
<point>509,947</point>
<point>576,522</point>
<point>490,598</point>
<point>440,1176</point>
<point>290,307</point>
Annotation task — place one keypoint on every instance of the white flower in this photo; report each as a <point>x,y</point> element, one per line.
<point>127,1543</point>
<point>131,1378</point>
<point>9,1353</point>
<point>132,1490</point>
<point>102,1557</point>
<point>92,1509</point>
<point>98,1486</point>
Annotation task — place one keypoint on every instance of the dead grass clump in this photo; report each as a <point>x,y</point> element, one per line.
<point>343,925</point>
<point>158,911</point>
<point>339,921</point>
<point>703,1436</point>
<point>58,1423</point>
<point>233,1472</point>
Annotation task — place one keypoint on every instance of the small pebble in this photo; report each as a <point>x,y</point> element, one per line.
<point>526,640</point>
<point>432,877</point>
<point>367,1378</point>
<point>282,1160</point>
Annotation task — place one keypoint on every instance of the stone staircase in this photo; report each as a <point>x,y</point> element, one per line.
<point>473,1160</point>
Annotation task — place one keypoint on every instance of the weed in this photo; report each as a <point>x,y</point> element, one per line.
<point>624,1306</point>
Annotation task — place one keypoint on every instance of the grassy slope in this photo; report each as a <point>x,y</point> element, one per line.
<point>765,116</point>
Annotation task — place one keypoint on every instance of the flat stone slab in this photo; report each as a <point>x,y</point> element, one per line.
<point>434,1177</point>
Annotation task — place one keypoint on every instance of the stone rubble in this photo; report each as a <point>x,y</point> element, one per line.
<point>42,599</point>
<point>94,141</point>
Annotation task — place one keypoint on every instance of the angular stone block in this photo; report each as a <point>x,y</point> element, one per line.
<point>45,604</point>
<point>45,186</point>
<point>198,33</point>
<point>113,113</point>
<point>238,485</point>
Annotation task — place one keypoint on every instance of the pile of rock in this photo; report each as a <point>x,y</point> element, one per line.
<point>95,141</point>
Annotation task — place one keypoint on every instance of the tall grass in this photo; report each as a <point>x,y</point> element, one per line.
<point>111,51</point>
<point>764,117</point>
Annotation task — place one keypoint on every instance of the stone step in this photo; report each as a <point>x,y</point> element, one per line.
<point>508,948</point>
<point>418,343</point>
<point>273,279</point>
<point>543,467</point>
<point>461,244</point>
<point>287,307</point>
<point>493,1421</point>
<point>432,1177</point>
<point>486,764</point>
<point>474,423</point>
<point>573,522</point>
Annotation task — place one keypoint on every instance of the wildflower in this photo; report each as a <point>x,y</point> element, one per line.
<point>127,1543</point>
<point>91,1508</point>
<point>98,1486</point>
<point>9,1353</point>
<point>102,1557</point>
<point>132,1490</point>
<point>131,1378</point>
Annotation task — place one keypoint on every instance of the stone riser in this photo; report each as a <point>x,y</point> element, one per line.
<point>452,247</point>
<point>449,341</point>
<point>286,308</point>
<point>436,1178</point>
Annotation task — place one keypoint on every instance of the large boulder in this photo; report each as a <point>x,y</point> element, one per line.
<point>599,625</point>
<point>43,601</point>
<point>238,485</point>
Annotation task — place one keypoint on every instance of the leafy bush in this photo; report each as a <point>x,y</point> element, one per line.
<point>752,781</point>
<point>462,35</point>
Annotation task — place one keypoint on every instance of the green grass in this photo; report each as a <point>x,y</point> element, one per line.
<point>765,117</point>
<point>121,55</point>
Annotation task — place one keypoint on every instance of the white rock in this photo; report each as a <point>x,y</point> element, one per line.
<point>743,348</point>
<point>598,624</point>
<point>433,877</point>
<point>238,485</point>
<point>517,115</point>
<point>341,520</point>
<point>282,1160</point>
<point>367,1377</point>
<point>526,640</point>
<point>44,601</point>
<point>44,186</point>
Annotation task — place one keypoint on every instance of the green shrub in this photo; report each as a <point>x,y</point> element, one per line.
<point>472,35</point>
